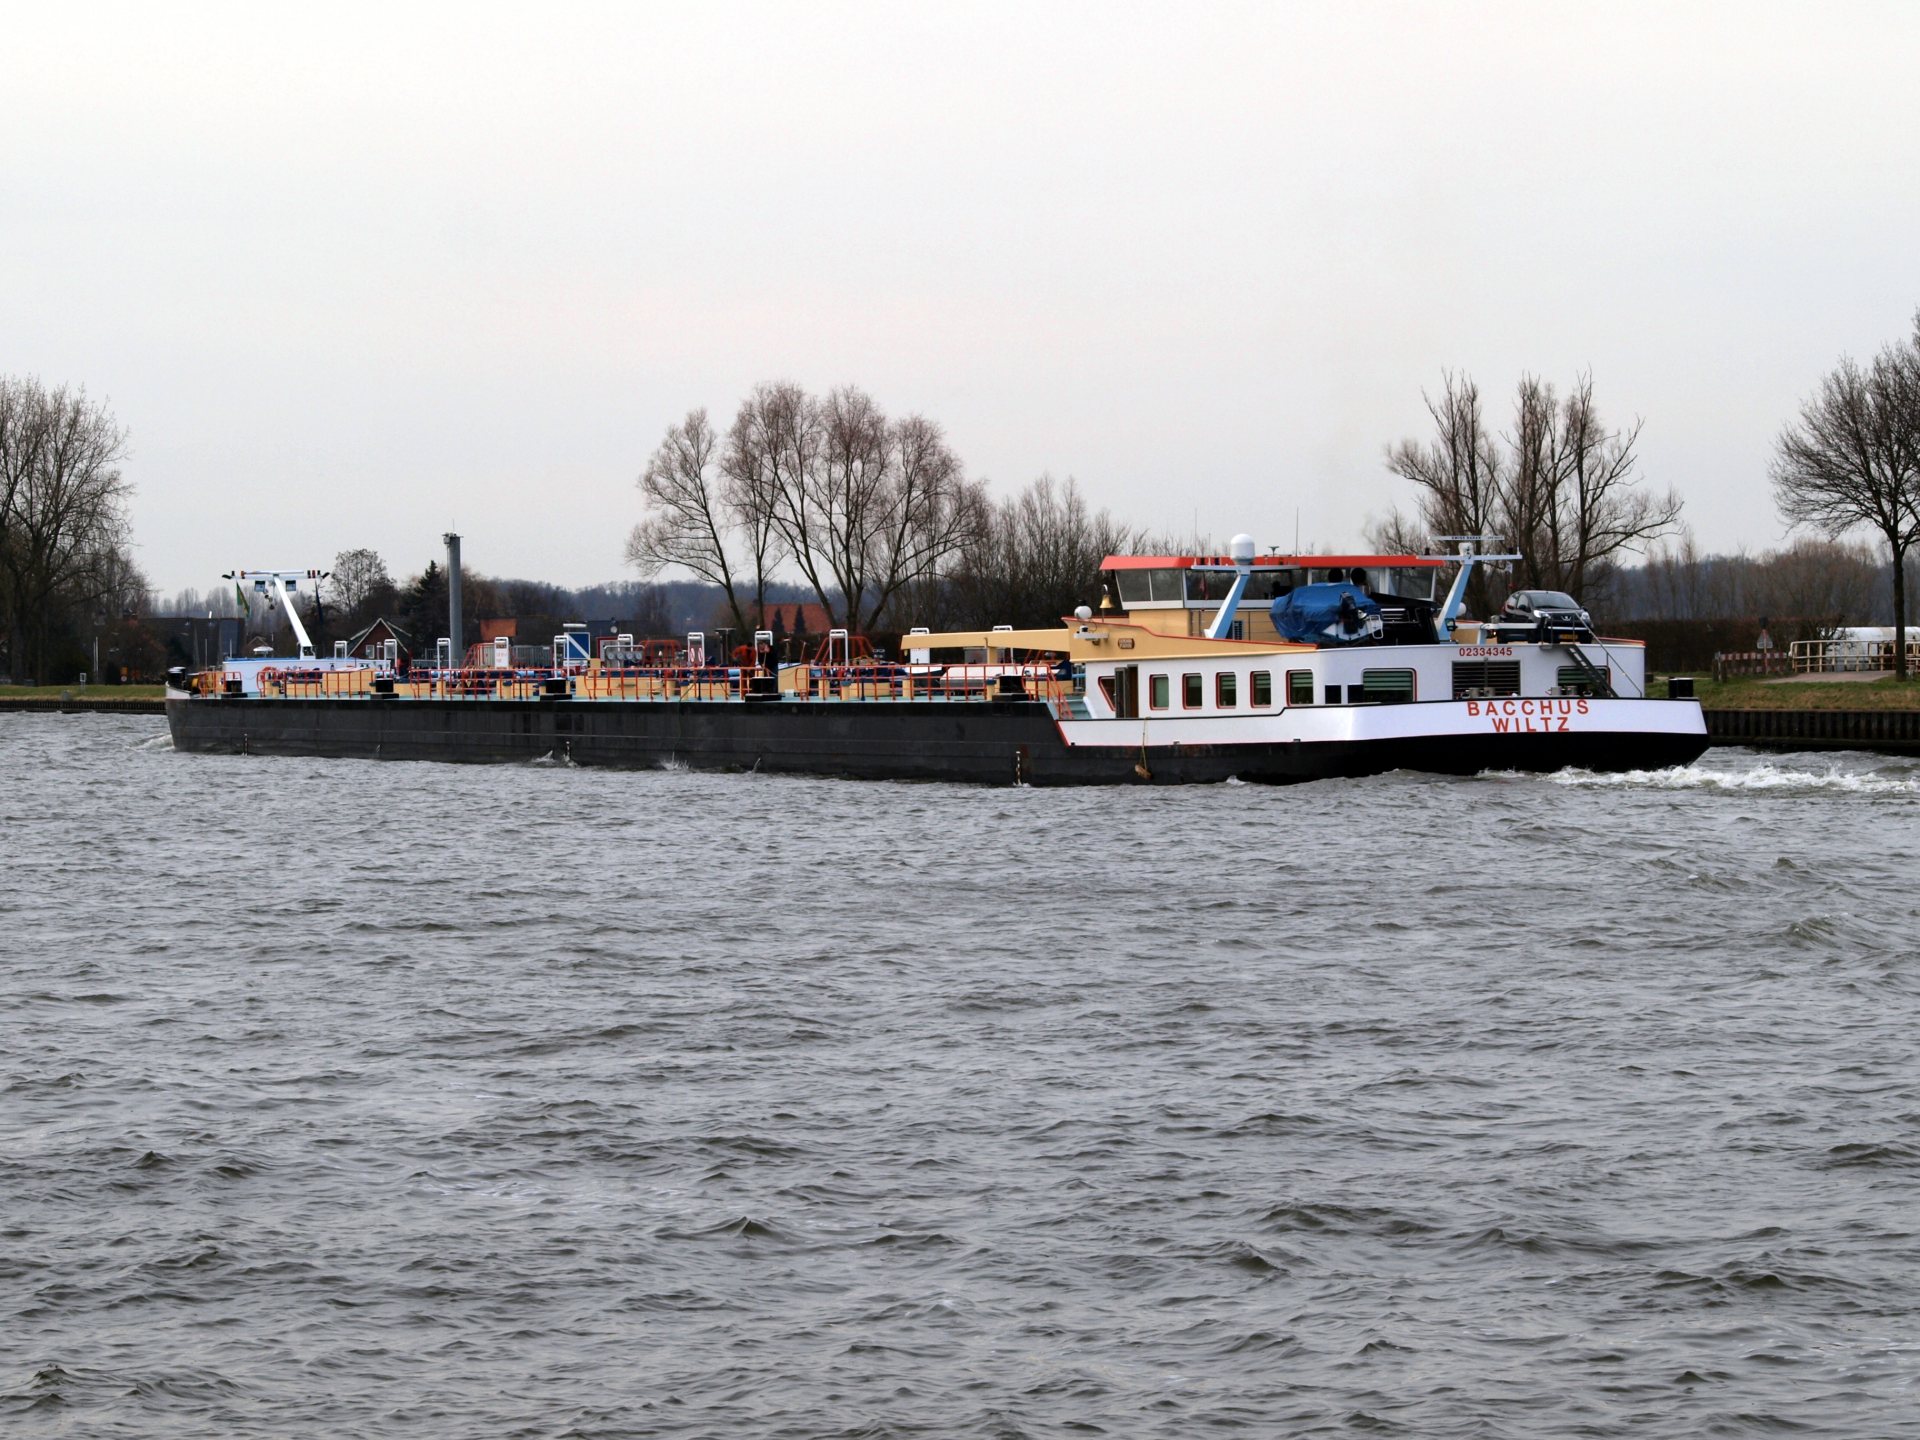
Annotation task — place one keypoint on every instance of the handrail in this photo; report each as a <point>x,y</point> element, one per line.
<point>932,684</point>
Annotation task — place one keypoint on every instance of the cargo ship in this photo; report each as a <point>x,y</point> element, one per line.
<point>1192,669</point>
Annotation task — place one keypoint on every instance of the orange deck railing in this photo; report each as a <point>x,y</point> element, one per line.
<point>852,683</point>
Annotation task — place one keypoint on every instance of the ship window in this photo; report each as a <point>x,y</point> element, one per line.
<point>1158,692</point>
<point>1158,587</point>
<point>1262,687</point>
<point>1192,696</point>
<point>1271,584</point>
<point>1299,687</point>
<point>1205,586</point>
<point>1412,584</point>
<point>1226,690</point>
<point>1388,687</point>
<point>1333,694</point>
<point>1107,690</point>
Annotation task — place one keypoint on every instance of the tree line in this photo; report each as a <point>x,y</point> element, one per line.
<point>875,518</point>
<point>1803,589</point>
<point>884,528</point>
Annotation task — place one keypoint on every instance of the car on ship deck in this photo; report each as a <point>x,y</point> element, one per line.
<point>1542,615</point>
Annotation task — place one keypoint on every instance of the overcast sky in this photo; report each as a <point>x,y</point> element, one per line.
<point>353,275</point>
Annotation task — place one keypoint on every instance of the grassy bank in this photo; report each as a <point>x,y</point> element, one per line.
<point>1748,694</point>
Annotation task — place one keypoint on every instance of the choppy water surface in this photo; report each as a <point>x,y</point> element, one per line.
<point>350,1098</point>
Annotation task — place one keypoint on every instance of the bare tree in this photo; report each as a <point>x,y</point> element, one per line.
<point>863,507</point>
<point>753,465</point>
<point>866,509</point>
<point>1852,461</point>
<point>1457,474</point>
<point>23,429</point>
<point>648,612</point>
<point>1570,503</point>
<point>689,522</point>
<point>1560,488</point>
<point>853,494</point>
<point>932,512</point>
<point>359,576</point>
<point>1677,579</point>
<point>773,463</point>
<point>23,434</point>
<point>1037,557</point>
<point>1599,511</point>
<point>65,528</point>
<point>1813,587</point>
<point>1397,533</point>
<point>1530,500</point>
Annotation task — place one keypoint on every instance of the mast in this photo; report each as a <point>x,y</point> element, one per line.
<point>1468,555</point>
<point>1240,550</point>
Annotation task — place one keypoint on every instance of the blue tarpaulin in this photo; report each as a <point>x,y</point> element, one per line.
<point>1326,615</point>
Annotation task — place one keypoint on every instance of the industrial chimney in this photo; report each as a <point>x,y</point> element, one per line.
<point>453,599</point>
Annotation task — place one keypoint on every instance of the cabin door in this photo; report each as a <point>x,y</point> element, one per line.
<point>1126,698</point>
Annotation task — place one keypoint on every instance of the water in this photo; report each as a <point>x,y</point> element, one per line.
<point>379,1100</point>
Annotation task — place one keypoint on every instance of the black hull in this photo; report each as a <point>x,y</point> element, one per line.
<point>999,743</point>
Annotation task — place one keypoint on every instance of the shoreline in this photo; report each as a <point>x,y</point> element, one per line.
<point>83,705</point>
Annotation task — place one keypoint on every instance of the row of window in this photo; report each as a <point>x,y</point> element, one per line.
<point>1226,690</point>
<point>1386,687</point>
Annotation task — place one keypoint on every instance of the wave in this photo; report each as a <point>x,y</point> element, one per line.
<point>1764,777</point>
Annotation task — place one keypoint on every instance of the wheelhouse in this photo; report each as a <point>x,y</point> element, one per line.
<point>1182,594</point>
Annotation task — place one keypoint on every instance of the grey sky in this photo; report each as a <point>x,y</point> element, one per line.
<point>353,273</point>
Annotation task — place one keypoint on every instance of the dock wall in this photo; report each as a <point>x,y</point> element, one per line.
<point>1895,732</point>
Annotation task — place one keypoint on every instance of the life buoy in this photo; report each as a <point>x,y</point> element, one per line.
<point>267,676</point>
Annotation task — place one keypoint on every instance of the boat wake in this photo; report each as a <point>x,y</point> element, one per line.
<point>155,742</point>
<point>1762,777</point>
<point>551,761</point>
